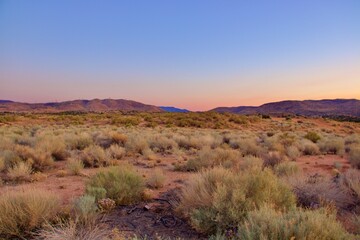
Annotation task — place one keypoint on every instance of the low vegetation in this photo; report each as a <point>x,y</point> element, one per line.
<point>122,184</point>
<point>23,211</point>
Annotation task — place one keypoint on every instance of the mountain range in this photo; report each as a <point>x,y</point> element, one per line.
<point>327,107</point>
<point>95,105</point>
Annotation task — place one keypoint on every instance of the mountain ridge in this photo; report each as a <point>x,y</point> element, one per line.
<point>324,107</point>
<point>81,105</point>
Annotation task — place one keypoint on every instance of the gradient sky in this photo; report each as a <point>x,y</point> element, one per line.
<point>185,53</point>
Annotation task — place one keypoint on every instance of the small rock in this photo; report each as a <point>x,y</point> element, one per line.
<point>147,207</point>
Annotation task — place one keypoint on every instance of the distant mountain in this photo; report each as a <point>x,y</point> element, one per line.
<point>95,105</point>
<point>174,109</point>
<point>5,101</point>
<point>327,107</point>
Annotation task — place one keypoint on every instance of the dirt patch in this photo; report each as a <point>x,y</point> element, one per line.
<point>156,218</point>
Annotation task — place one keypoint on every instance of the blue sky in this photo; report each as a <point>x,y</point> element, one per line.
<point>191,54</point>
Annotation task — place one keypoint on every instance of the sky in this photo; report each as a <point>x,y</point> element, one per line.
<point>194,54</point>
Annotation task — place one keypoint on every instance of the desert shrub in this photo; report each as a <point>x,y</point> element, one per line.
<point>97,192</point>
<point>55,147</point>
<point>247,146</point>
<point>40,159</point>
<point>286,169</point>
<point>316,191</point>
<point>332,146</point>
<point>187,142</point>
<point>309,148</point>
<point>102,139</point>
<point>74,231</point>
<point>122,184</point>
<point>79,142</point>
<point>162,144</point>
<point>213,157</point>
<point>94,156</point>
<point>156,179</point>
<point>116,151</point>
<point>118,138</point>
<point>273,158</point>
<point>354,156</point>
<point>23,211</point>
<point>149,154</point>
<point>351,180</point>
<point>20,172</point>
<point>312,136</point>
<point>267,223</point>
<point>293,152</point>
<point>75,166</point>
<point>218,199</point>
<point>10,158</point>
<point>85,210</point>
<point>251,163</point>
<point>136,144</point>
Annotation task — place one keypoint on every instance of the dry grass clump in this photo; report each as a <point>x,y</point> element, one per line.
<point>55,146</point>
<point>267,223</point>
<point>219,199</point>
<point>187,142</point>
<point>94,156</point>
<point>316,191</point>
<point>309,148</point>
<point>354,156</point>
<point>292,152</point>
<point>156,179</point>
<point>40,159</point>
<point>74,231</point>
<point>312,136</point>
<point>286,169</point>
<point>136,144</point>
<point>20,172</point>
<point>23,211</point>
<point>122,184</point>
<point>118,138</point>
<point>273,158</point>
<point>159,143</point>
<point>246,146</point>
<point>351,180</point>
<point>74,166</point>
<point>2,164</point>
<point>10,158</point>
<point>116,152</point>
<point>213,157</point>
<point>251,163</point>
<point>332,145</point>
<point>78,142</point>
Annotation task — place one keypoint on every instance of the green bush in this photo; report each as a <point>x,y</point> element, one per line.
<point>85,210</point>
<point>97,192</point>
<point>266,223</point>
<point>218,199</point>
<point>122,184</point>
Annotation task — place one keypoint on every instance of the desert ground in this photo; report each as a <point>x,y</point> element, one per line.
<point>178,176</point>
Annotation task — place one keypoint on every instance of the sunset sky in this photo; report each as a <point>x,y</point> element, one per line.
<point>186,53</point>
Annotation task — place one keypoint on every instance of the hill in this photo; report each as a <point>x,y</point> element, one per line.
<point>95,105</point>
<point>326,107</point>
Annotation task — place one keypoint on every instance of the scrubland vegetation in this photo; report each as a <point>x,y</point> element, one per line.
<point>238,177</point>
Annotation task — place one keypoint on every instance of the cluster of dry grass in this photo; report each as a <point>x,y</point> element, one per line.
<point>240,179</point>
